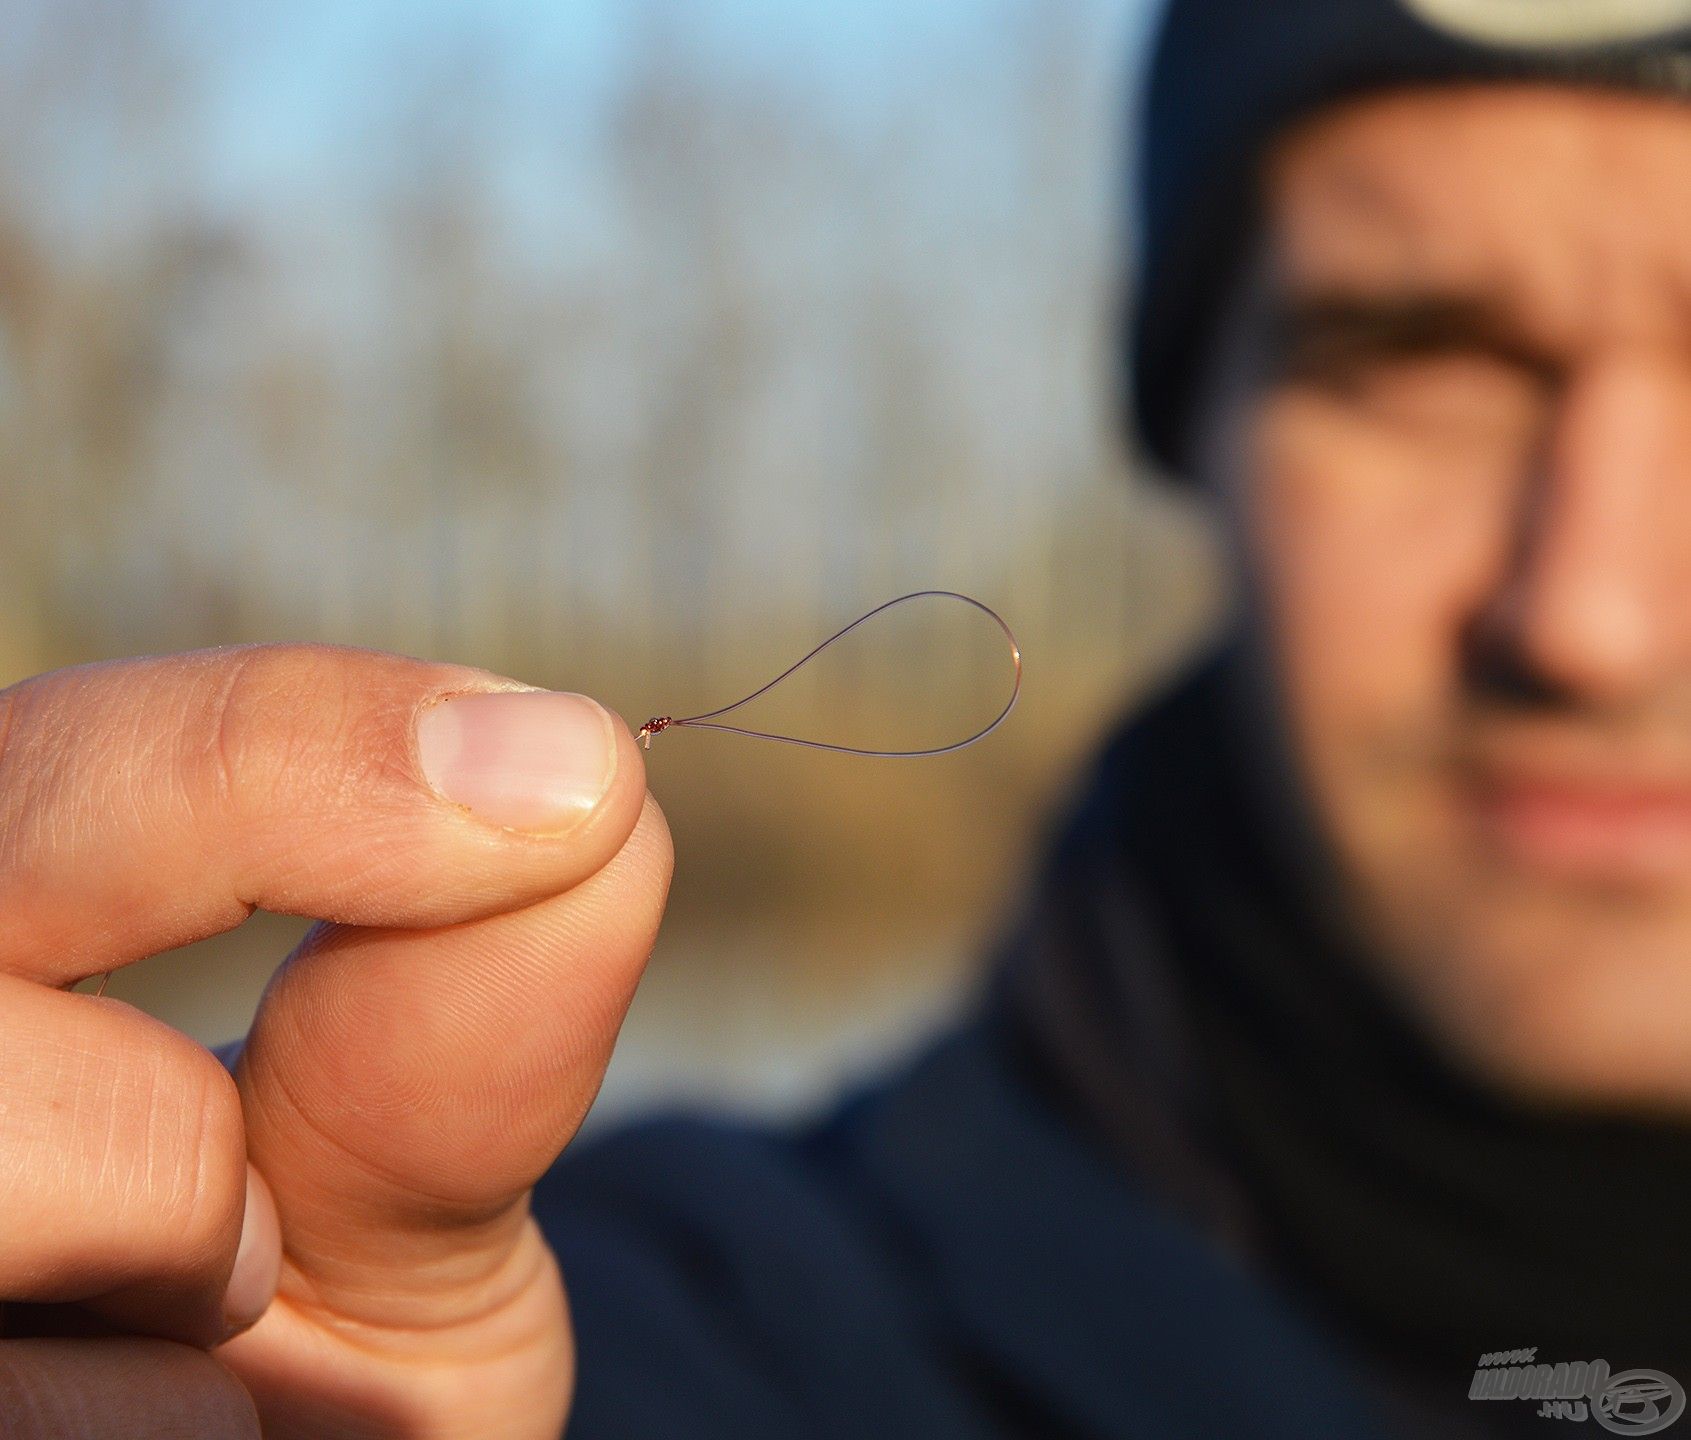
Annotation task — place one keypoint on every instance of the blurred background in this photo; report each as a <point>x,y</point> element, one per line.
<point>624,346</point>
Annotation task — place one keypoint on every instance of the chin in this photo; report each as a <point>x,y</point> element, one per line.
<point>1570,1001</point>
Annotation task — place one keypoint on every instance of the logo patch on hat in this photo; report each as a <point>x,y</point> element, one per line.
<point>1553,24</point>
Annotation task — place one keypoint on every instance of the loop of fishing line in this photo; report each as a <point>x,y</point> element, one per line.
<point>705,721</point>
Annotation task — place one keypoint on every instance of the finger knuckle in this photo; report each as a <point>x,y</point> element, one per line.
<point>250,731</point>
<point>190,1157</point>
<point>292,726</point>
<point>210,1156</point>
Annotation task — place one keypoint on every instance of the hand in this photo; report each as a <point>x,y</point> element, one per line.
<point>492,872</point>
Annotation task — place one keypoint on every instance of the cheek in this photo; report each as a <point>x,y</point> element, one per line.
<point>1372,561</point>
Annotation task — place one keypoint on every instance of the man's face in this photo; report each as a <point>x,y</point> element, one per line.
<point>1467,494</point>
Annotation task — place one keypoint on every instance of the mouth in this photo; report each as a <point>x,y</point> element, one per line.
<point>1587,825</point>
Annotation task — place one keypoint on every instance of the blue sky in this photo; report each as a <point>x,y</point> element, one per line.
<point>283,86</point>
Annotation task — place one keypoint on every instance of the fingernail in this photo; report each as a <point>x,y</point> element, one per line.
<point>526,759</point>
<point>258,1259</point>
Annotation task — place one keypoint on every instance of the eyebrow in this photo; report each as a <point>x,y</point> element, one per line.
<point>1324,333</point>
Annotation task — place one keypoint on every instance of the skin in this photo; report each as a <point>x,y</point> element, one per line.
<point>1460,474</point>
<point>415,1066</point>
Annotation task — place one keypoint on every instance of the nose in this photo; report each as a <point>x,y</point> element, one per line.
<point>1596,602</point>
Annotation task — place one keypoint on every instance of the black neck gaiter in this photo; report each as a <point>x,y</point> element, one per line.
<point>1184,978</point>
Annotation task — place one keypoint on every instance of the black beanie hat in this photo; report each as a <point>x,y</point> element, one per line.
<point>1227,75</point>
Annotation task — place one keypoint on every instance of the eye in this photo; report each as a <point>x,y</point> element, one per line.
<point>1443,397</point>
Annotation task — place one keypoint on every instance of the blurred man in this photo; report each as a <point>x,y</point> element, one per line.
<point>1367,955</point>
<point>1335,1078</point>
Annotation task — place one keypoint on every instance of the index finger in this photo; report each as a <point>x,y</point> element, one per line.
<point>147,803</point>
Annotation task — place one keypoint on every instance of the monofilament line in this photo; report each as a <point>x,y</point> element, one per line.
<point>706,721</point>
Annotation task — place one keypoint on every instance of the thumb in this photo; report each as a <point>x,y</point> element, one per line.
<point>404,1088</point>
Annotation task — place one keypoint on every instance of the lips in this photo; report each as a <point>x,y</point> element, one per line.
<point>1589,826</point>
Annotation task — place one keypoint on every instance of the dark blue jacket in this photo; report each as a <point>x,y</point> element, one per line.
<point>942,1259</point>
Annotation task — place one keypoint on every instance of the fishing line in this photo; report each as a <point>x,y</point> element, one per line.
<point>706,721</point>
